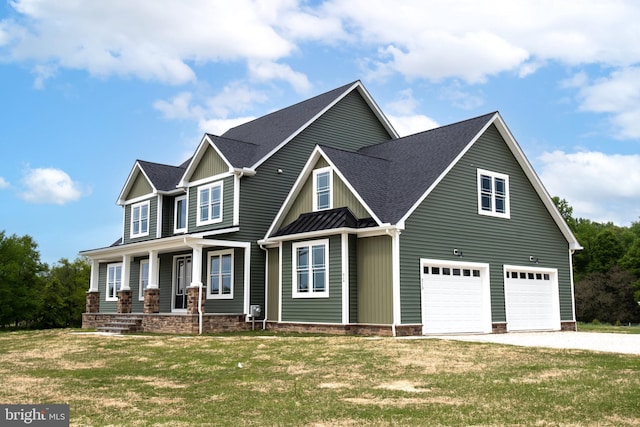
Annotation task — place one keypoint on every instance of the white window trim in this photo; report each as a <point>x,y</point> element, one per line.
<point>199,221</point>
<point>294,269</point>
<point>316,172</point>
<point>175,215</point>
<point>507,196</point>
<point>211,295</point>
<point>140,285</point>
<point>140,205</point>
<point>107,296</point>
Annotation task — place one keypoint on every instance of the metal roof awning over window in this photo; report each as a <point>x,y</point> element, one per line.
<point>325,220</point>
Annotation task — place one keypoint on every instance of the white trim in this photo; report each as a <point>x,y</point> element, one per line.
<point>129,183</point>
<point>573,296</point>
<point>141,287</point>
<point>209,179</point>
<point>126,273</point>
<point>294,266</point>
<point>395,278</point>
<point>316,172</point>
<point>174,281</point>
<point>184,198</point>
<point>507,203</point>
<point>247,277</point>
<point>280,282</point>
<point>211,219</point>
<point>236,200</point>
<point>139,206</point>
<point>555,284</point>
<point>344,248</point>
<point>95,276</point>
<point>220,254</point>
<point>195,160</point>
<point>106,283</point>
<point>159,218</point>
<point>485,278</point>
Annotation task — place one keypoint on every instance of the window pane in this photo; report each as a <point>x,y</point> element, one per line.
<point>226,284</point>
<point>322,182</point>
<point>485,183</point>
<point>456,271</point>
<point>318,280</point>
<point>446,271</point>
<point>144,224</point>
<point>486,202</point>
<point>303,281</point>
<point>226,264</point>
<point>318,256</point>
<point>435,270</point>
<point>500,205</point>
<point>215,285</point>
<point>181,214</point>
<point>144,275</point>
<point>204,204</point>
<point>136,213</point>
<point>215,265</point>
<point>323,200</point>
<point>303,258</point>
<point>500,186</point>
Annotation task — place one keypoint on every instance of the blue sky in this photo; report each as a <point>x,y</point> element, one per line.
<point>86,88</point>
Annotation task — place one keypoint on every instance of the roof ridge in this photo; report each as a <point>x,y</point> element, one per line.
<point>324,147</point>
<point>231,139</point>
<point>158,164</point>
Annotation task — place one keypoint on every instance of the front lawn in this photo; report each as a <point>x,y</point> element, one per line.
<point>267,380</point>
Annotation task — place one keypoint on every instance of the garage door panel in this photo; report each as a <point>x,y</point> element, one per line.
<point>531,299</point>
<point>454,299</point>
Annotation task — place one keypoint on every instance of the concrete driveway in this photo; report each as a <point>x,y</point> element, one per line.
<point>610,343</point>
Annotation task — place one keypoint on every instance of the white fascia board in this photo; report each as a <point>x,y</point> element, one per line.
<point>166,243</point>
<point>129,182</point>
<point>444,173</point>
<point>195,160</point>
<point>535,181</point>
<point>360,232</point>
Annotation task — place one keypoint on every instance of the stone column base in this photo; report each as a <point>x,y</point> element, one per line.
<point>93,302</point>
<point>192,299</point>
<point>124,301</point>
<point>151,300</point>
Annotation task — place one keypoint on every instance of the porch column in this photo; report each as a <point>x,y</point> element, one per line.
<point>195,291</point>
<point>124,294</point>
<point>93,295</point>
<point>152,293</point>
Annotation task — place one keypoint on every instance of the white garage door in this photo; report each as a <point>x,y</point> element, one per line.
<point>531,299</point>
<point>455,298</point>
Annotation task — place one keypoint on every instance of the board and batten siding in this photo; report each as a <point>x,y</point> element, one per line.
<point>153,221</point>
<point>375,284</point>
<point>273,280</point>
<point>227,207</point>
<point>211,164</point>
<point>350,125</point>
<point>315,310</point>
<point>448,219</point>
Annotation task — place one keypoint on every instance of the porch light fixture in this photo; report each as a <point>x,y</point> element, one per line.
<point>533,259</point>
<point>457,252</point>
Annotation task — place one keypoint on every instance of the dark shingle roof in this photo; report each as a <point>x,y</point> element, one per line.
<point>163,177</point>
<point>325,220</point>
<point>269,131</point>
<point>391,176</point>
<point>240,154</point>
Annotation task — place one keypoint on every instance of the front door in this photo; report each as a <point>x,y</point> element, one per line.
<point>181,279</point>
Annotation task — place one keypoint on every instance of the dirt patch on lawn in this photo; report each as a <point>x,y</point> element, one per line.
<point>403,401</point>
<point>403,386</point>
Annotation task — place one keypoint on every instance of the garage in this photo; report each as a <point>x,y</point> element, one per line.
<point>455,297</point>
<point>531,299</point>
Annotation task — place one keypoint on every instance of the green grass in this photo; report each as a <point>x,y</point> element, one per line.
<point>605,327</point>
<point>314,380</point>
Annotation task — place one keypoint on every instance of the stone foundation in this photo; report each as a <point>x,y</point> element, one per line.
<point>352,329</point>
<point>192,299</point>
<point>568,326</point>
<point>499,328</point>
<point>124,301</point>
<point>173,323</point>
<point>93,302</point>
<point>151,300</point>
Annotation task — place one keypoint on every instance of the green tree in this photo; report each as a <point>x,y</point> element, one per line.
<point>20,280</point>
<point>608,297</point>
<point>63,295</point>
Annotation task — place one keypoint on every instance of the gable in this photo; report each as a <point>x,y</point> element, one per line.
<point>210,164</point>
<point>139,187</point>
<point>341,196</point>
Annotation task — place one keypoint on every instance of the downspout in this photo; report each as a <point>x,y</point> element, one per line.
<point>393,233</point>
<point>266,285</point>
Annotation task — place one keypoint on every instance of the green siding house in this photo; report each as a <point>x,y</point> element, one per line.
<point>444,231</point>
<point>319,217</point>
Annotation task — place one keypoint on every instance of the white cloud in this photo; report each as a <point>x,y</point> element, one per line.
<point>268,71</point>
<point>220,126</point>
<point>600,187</point>
<point>49,186</point>
<point>4,183</point>
<point>410,124</point>
<point>619,96</point>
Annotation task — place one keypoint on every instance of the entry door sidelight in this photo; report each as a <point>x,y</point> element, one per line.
<point>182,279</point>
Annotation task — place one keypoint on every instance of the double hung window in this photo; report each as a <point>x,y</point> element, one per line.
<point>210,204</point>
<point>180,214</point>
<point>114,281</point>
<point>220,275</point>
<point>310,269</point>
<point>140,219</point>
<point>144,278</point>
<point>322,186</point>
<point>493,194</point>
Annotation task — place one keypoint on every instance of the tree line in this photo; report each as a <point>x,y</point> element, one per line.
<point>36,295</point>
<point>606,277</point>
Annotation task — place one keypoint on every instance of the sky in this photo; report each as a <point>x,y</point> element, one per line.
<point>88,87</point>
